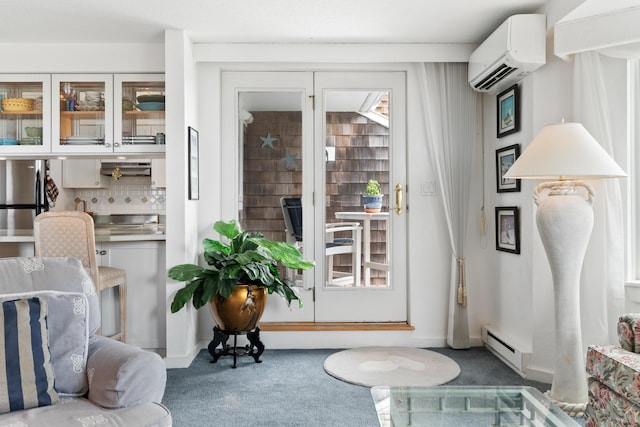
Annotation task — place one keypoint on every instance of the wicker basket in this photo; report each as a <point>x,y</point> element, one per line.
<point>17,104</point>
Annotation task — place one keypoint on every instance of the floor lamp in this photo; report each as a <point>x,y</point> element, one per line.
<point>566,153</point>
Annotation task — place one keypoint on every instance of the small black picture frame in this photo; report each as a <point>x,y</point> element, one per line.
<point>505,158</point>
<point>508,113</point>
<point>508,229</point>
<point>194,170</point>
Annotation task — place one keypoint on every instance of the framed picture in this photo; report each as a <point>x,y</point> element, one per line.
<point>505,157</point>
<point>194,171</point>
<point>508,112</point>
<point>508,229</point>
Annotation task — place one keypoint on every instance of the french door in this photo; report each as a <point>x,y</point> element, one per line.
<point>320,137</point>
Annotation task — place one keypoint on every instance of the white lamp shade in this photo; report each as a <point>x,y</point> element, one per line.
<point>564,151</point>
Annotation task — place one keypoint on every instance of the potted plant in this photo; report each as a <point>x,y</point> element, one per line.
<point>242,272</point>
<point>372,198</point>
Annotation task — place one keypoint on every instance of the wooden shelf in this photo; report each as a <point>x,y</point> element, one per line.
<point>81,113</point>
<point>20,113</point>
<point>144,113</point>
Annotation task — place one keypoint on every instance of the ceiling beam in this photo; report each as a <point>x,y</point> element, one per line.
<point>332,52</point>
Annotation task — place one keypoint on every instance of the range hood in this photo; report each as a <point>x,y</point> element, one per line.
<point>120,168</point>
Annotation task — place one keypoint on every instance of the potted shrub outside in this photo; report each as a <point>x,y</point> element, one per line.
<point>372,198</point>
<point>242,272</point>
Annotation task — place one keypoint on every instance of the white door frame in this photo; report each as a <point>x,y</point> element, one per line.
<point>234,82</point>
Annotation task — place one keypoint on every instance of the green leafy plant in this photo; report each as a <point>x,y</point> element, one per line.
<point>373,188</point>
<point>248,258</point>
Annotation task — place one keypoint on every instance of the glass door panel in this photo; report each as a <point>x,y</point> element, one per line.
<point>271,159</point>
<point>357,147</point>
<point>140,113</point>
<point>270,124</point>
<point>85,122</point>
<point>24,114</point>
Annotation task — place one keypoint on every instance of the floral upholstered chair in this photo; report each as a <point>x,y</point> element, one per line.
<point>614,378</point>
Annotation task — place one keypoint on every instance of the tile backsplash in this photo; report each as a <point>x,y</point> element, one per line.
<point>132,194</point>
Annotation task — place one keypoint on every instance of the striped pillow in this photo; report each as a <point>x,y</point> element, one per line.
<point>26,372</point>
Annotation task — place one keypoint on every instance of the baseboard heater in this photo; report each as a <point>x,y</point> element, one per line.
<point>514,357</point>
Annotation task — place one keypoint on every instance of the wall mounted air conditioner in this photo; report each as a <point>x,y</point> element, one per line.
<point>512,52</point>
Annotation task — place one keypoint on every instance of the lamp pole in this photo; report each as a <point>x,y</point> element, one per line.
<point>565,222</point>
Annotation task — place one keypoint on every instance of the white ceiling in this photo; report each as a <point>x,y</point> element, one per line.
<point>266,21</point>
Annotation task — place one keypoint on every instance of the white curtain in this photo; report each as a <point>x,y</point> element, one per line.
<point>602,285</point>
<point>451,117</point>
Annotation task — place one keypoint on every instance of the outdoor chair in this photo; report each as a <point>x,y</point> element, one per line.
<point>334,245</point>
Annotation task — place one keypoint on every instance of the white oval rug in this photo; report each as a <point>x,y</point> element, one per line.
<point>391,366</point>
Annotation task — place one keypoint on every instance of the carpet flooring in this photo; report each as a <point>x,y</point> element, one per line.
<point>291,388</point>
<point>391,366</point>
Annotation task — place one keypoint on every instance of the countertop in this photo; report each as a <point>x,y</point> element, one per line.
<point>19,236</point>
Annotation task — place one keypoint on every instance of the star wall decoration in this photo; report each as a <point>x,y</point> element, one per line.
<point>290,161</point>
<point>267,141</point>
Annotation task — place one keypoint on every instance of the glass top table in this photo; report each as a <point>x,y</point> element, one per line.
<point>466,406</point>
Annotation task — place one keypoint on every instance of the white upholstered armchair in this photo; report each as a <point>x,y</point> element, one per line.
<point>68,375</point>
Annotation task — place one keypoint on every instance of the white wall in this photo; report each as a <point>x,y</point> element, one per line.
<point>182,241</point>
<point>428,244</point>
<point>82,58</point>
<point>521,285</point>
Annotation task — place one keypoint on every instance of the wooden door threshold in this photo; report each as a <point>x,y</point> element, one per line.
<point>334,326</point>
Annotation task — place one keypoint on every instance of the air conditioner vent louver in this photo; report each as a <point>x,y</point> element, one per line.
<point>512,52</point>
<point>495,77</point>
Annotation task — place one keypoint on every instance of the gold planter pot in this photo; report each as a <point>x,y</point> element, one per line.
<point>241,311</point>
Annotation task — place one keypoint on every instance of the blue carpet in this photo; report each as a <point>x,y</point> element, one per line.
<point>291,388</point>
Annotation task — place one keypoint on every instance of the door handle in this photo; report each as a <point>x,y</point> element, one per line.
<point>398,207</point>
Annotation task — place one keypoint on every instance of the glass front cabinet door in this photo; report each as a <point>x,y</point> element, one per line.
<point>25,114</point>
<point>83,119</point>
<point>139,113</point>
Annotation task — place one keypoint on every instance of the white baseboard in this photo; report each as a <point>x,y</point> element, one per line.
<point>323,340</point>
<point>539,374</point>
<point>172,362</point>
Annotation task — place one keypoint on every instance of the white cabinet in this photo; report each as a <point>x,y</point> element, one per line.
<point>105,113</point>
<point>144,262</point>
<point>83,117</point>
<point>25,114</point>
<point>139,118</point>
<point>83,173</point>
<point>158,173</point>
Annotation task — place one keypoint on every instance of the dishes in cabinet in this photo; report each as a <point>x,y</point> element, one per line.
<point>90,101</point>
<point>31,141</point>
<point>127,104</point>
<point>8,141</point>
<point>150,106</point>
<point>15,105</point>
<point>81,106</point>
<point>150,98</point>
<point>34,131</point>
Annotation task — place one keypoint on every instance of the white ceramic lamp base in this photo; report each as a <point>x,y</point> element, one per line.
<point>565,222</point>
